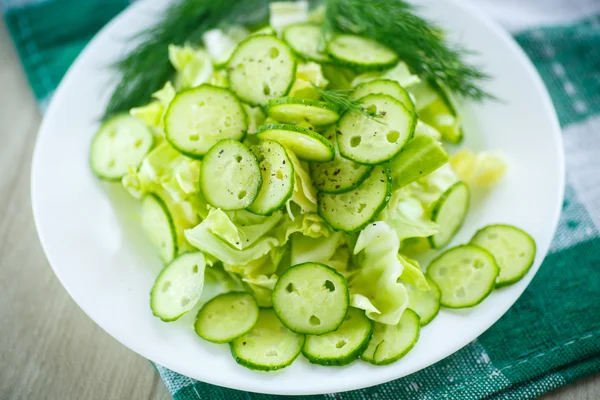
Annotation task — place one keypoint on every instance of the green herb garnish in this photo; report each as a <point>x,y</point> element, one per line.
<point>418,42</point>
<point>343,101</point>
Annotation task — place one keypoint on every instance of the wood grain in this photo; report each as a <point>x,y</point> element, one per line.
<point>49,349</point>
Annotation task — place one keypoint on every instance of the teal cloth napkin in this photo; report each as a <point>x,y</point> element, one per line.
<point>551,336</point>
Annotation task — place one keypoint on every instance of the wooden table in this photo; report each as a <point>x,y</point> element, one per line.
<point>49,349</point>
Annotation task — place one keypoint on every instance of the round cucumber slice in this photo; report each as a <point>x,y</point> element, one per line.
<point>311,298</point>
<point>449,212</point>
<point>360,53</point>
<point>120,143</point>
<point>268,346</point>
<point>261,68</point>
<point>277,176</point>
<point>198,118</point>
<point>158,224</point>
<point>294,110</point>
<point>385,86</point>
<point>305,40</point>
<point>305,144</point>
<point>342,346</point>
<point>465,274</point>
<point>513,249</point>
<point>379,138</point>
<point>339,175</point>
<point>227,317</point>
<point>178,287</point>
<point>353,210</point>
<point>392,342</point>
<point>426,303</point>
<point>230,177</point>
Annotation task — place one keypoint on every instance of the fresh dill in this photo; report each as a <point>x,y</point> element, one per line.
<point>343,101</point>
<point>418,42</point>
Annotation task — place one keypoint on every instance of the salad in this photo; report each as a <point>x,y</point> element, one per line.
<point>302,173</point>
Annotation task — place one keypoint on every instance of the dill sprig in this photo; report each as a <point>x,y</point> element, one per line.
<point>418,42</point>
<point>146,68</point>
<point>343,101</point>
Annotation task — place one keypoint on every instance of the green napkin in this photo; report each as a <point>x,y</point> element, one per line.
<point>550,337</point>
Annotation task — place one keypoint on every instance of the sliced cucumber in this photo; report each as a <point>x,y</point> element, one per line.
<point>277,178</point>
<point>513,249</point>
<point>342,346</point>
<point>306,41</point>
<point>377,139</point>
<point>465,274</point>
<point>261,68</point>
<point>306,144</point>
<point>230,177</point>
<point>449,212</point>
<point>227,317</point>
<point>352,211</point>
<point>178,287</point>
<point>426,303</point>
<point>360,53</point>
<point>158,224</point>
<point>294,110</point>
<point>392,342</point>
<point>268,346</point>
<point>198,118</point>
<point>311,298</point>
<point>340,175</point>
<point>120,143</point>
<point>385,86</point>
<point>421,156</point>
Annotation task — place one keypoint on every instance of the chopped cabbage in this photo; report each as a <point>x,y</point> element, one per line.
<point>308,75</point>
<point>305,194</point>
<point>194,66</point>
<point>400,73</point>
<point>375,287</point>
<point>221,44</point>
<point>482,169</point>
<point>285,13</point>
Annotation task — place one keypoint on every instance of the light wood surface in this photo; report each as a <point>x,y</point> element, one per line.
<point>49,349</point>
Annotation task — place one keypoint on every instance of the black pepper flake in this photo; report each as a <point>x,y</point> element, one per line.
<point>337,186</point>
<point>383,113</point>
<point>339,132</point>
<point>221,152</point>
<point>283,162</point>
<point>337,171</point>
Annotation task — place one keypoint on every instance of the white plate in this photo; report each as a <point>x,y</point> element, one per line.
<point>91,236</point>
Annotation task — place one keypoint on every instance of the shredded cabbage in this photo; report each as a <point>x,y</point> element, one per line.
<point>194,66</point>
<point>375,287</point>
<point>400,73</point>
<point>221,44</point>
<point>285,13</point>
<point>153,113</point>
<point>482,169</point>
<point>308,75</point>
<point>305,194</point>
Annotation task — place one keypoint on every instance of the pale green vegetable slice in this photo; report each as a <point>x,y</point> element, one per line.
<point>392,342</point>
<point>226,317</point>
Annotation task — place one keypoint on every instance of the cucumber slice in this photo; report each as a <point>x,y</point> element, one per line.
<point>340,175</point>
<point>360,53</point>
<point>449,212</point>
<point>379,139</point>
<point>392,342</point>
<point>277,178</point>
<point>352,211</point>
<point>226,317</point>
<point>294,110</point>
<point>305,40</point>
<point>465,274</point>
<point>342,346</point>
<point>230,178</point>
<point>261,68</point>
<point>426,303</point>
<point>306,144</point>
<point>513,249</point>
<point>198,118</point>
<point>311,298</point>
<point>120,143</point>
<point>421,156</point>
<point>158,224</point>
<point>268,346</point>
<point>385,86</point>
<point>178,287</point>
